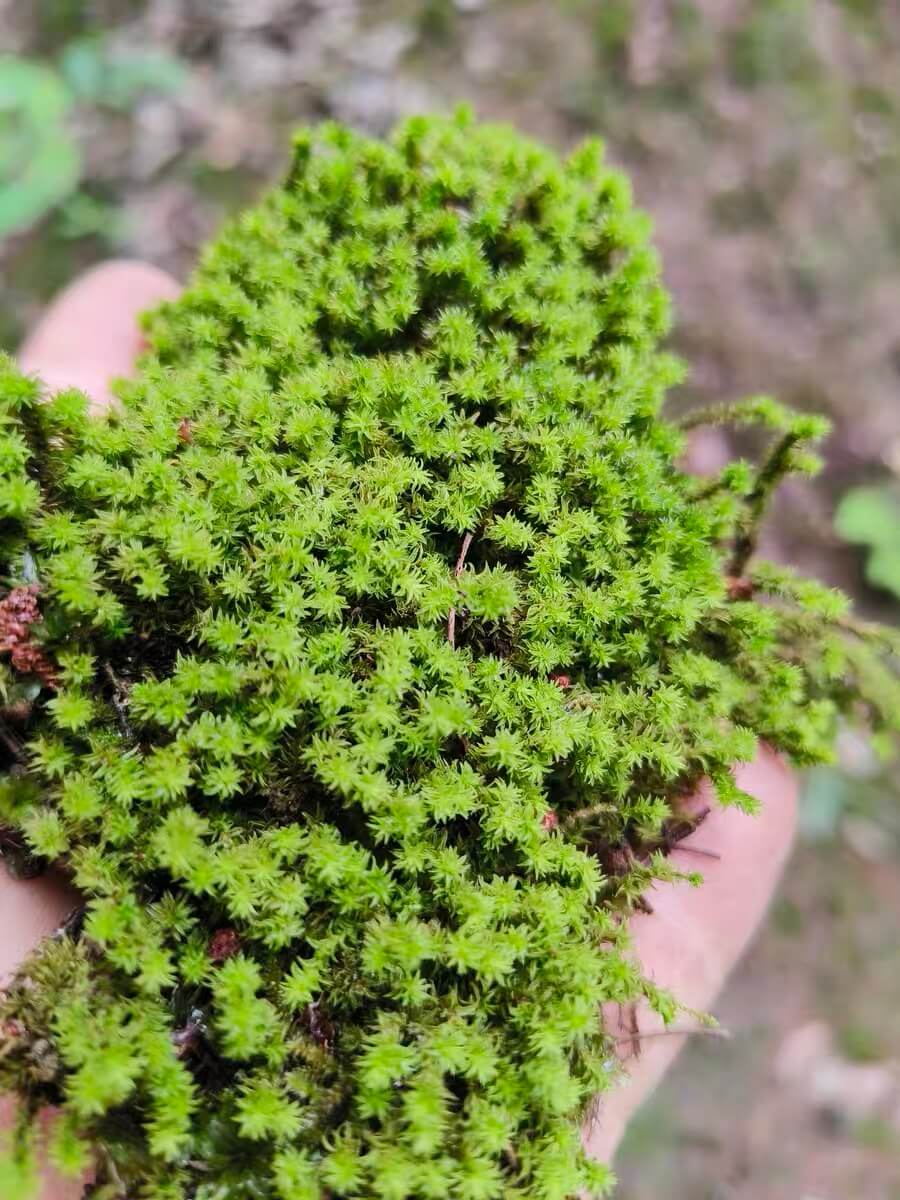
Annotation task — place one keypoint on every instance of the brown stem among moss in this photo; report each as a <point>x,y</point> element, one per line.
<point>457,571</point>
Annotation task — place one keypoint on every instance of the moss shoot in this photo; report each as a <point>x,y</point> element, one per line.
<point>355,669</point>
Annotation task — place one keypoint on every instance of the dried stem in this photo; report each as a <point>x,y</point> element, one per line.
<point>119,701</point>
<point>457,571</point>
<point>715,1031</point>
<point>868,631</point>
<point>696,850</point>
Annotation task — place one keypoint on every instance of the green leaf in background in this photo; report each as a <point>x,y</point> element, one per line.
<point>883,566</point>
<point>39,162</point>
<point>82,66</point>
<point>82,215</point>
<point>101,75</point>
<point>825,796</point>
<point>871,517</point>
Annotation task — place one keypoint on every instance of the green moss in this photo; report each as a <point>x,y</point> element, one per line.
<point>385,626</point>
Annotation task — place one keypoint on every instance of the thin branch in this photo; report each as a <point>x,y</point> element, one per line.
<point>714,414</point>
<point>768,477</point>
<point>868,631</point>
<point>119,702</point>
<point>633,1037</point>
<point>714,1031</point>
<point>457,571</point>
<point>463,551</point>
<point>754,410</point>
<point>696,850</point>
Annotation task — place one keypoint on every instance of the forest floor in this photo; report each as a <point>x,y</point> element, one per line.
<point>764,138</point>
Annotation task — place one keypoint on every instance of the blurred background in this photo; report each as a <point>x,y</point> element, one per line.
<point>764,138</point>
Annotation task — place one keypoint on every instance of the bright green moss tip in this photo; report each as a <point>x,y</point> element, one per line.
<point>379,635</point>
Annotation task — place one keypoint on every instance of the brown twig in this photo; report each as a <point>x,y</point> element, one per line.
<point>119,701</point>
<point>458,570</point>
<point>697,850</point>
<point>634,1036</point>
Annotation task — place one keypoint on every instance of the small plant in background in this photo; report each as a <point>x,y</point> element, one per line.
<point>856,799</point>
<point>40,162</point>
<point>870,517</point>
<point>40,156</point>
<point>98,74</point>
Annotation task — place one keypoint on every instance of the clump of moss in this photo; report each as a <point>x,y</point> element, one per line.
<point>381,636</point>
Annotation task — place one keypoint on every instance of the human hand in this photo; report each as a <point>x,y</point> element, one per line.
<point>693,937</point>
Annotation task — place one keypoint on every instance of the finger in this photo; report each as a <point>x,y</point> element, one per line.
<point>695,935</point>
<point>89,335</point>
<point>52,1185</point>
<point>31,908</point>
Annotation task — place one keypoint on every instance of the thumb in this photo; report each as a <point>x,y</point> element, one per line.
<point>90,335</point>
<point>695,935</point>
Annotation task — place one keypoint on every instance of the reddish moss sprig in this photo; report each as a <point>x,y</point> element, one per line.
<point>19,612</point>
